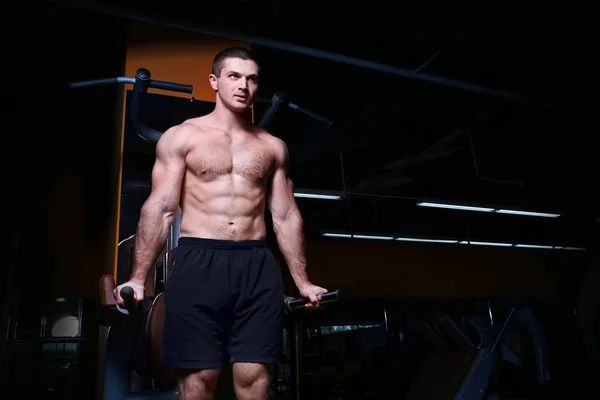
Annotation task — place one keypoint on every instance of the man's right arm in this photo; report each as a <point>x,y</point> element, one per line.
<point>159,210</point>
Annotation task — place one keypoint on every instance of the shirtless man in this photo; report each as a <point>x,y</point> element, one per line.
<point>224,293</point>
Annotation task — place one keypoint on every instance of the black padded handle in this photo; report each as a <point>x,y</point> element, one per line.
<point>127,293</point>
<point>292,303</point>
<point>171,86</point>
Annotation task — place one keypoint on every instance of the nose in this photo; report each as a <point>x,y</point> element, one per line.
<point>243,82</point>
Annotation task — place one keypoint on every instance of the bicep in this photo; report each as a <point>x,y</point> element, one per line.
<point>281,199</point>
<point>167,175</point>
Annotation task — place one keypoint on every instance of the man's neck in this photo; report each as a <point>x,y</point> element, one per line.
<point>229,120</point>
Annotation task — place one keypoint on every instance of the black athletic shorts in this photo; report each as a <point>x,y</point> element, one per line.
<point>223,303</point>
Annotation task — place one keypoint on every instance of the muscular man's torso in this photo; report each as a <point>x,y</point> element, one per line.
<point>223,194</point>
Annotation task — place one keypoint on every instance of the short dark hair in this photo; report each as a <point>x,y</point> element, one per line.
<point>231,52</point>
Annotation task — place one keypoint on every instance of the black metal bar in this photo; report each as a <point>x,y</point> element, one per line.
<point>102,82</point>
<point>476,165</point>
<point>442,48</point>
<point>542,351</point>
<point>277,101</point>
<point>311,114</point>
<point>141,83</point>
<point>290,47</point>
<point>48,340</point>
<point>504,326</point>
<point>171,86</point>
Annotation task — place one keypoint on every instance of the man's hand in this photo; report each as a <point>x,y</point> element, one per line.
<point>139,292</point>
<point>311,292</point>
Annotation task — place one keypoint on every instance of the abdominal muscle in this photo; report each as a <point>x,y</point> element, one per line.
<point>228,207</point>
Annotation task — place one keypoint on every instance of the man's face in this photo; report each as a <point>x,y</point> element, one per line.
<point>237,84</point>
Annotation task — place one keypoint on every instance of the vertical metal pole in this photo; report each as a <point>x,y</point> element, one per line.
<point>299,354</point>
<point>385,318</point>
<point>176,229</point>
<point>504,326</point>
<point>344,190</point>
<point>174,235</point>
<point>343,172</point>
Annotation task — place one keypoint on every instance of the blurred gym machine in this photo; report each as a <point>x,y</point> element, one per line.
<point>464,362</point>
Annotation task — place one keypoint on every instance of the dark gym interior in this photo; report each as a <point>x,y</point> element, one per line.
<point>424,109</point>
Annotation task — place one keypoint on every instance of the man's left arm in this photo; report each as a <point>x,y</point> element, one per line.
<point>288,225</point>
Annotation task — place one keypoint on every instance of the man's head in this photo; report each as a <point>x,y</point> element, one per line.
<point>235,77</point>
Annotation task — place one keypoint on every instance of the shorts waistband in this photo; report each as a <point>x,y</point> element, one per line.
<point>221,244</point>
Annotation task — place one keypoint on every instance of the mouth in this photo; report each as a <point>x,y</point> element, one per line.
<point>241,97</point>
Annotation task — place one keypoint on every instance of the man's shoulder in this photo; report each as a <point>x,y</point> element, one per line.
<point>272,141</point>
<point>186,129</point>
<point>276,145</point>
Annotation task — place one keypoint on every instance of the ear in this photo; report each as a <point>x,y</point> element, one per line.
<point>212,79</point>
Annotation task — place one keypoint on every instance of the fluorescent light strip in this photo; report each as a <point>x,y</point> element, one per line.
<point>528,213</point>
<point>569,248</point>
<point>317,196</point>
<point>350,236</point>
<point>534,246</point>
<point>339,235</point>
<point>486,209</point>
<point>449,241</point>
<point>487,244</point>
<point>405,239</point>
<point>373,237</point>
<point>454,207</point>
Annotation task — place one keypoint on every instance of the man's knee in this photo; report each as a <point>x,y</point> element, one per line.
<point>198,384</point>
<point>251,380</point>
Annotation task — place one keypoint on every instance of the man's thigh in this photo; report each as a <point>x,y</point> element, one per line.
<point>197,309</point>
<point>256,332</point>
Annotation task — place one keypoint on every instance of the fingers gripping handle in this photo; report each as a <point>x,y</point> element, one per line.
<point>128,295</point>
<point>108,300</point>
<point>293,304</point>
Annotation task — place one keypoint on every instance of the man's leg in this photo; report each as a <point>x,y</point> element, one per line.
<point>197,308</point>
<point>198,384</point>
<point>251,381</point>
<point>255,337</point>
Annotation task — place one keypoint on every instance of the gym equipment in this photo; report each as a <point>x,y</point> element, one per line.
<point>141,83</point>
<point>466,355</point>
<point>293,304</point>
<point>135,341</point>
<point>279,99</point>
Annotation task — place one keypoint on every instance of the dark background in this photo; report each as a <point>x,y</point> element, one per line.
<point>527,142</point>
<point>399,137</point>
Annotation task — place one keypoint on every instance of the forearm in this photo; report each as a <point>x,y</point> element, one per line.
<point>290,238</point>
<point>151,237</point>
